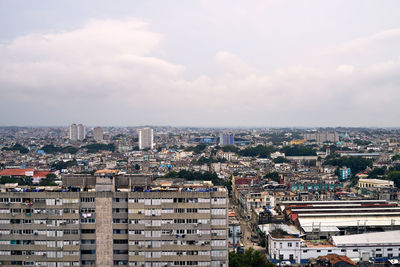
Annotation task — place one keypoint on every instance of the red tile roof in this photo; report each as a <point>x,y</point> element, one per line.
<point>40,174</point>
<point>246,181</point>
<point>334,258</point>
<point>15,172</point>
<point>22,172</point>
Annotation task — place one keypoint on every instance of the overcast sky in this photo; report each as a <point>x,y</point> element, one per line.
<point>200,63</point>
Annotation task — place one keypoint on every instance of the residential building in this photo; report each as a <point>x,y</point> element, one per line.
<point>98,134</point>
<point>378,247</point>
<point>114,220</point>
<point>73,132</point>
<point>226,139</point>
<point>145,138</point>
<point>81,132</point>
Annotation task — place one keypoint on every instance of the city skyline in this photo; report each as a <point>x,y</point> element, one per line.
<point>242,64</point>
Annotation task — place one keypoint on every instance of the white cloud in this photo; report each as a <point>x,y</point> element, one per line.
<point>106,73</point>
<point>345,68</point>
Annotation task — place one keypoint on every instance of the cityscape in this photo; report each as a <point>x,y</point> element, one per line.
<point>169,196</point>
<point>227,133</point>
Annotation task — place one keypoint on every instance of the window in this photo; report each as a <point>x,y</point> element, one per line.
<point>329,250</point>
<point>120,252</point>
<point>390,255</point>
<point>378,255</point>
<point>88,231</point>
<point>179,210</point>
<point>378,249</point>
<point>120,231</point>
<point>120,241</point>
<point>87,262</point>
<point>390,249</point>
<point>305,251</point>
<point>355,250</point>
<point>92,252</point>
<point>88,241</point>
<point>87,199</point>
<point>318,250</point>
<point>289,245</point>
<point>291,257</point>
<point>191,210</point>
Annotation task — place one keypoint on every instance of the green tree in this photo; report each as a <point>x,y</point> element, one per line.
<point>257,151</point>
<point>396,157</point>
<point>281,160</point>
<point>377,172</point>
<point>299,151</point>
<point>250,258</point>
<point>49,180</point>
<point>395,177</point>
<point>274,176</point>
<point>12,180</point>
<point>230,148</point>
<point>356,164</point>
<point>137,167</point>
<point>196,149</point>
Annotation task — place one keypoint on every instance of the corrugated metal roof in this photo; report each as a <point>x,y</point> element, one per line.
<point>308,229</point>
<point>352,214</point>
<point>383,238</point>
<point>346,221</point>
<point>348,209</point>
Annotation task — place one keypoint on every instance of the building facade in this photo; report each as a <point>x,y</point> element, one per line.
<point>146,138</point>
<point>174,226</point>
<point>77,132</point>
<point>73,132</point>
<point>226,139</point>
<point>98,134</point>
<point>81,132</point>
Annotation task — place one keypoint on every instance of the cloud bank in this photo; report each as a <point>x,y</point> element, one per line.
<point>106,73</point>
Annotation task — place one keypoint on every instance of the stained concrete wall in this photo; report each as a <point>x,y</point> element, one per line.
<point>104,234</point>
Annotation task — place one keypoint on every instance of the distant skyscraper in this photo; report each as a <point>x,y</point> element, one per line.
<point>145,138</point>
<point>226,139</point>
<point>81,132</point>
<point>73,132</point>
<point>98,134</point>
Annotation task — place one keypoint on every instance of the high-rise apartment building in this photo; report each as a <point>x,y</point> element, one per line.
<point>145,138</point>
<point>77,132</point>
<point>98,134</point>
<point>73,132</point>
<point>81,132</point>
<point>226,139</point>
<point>321,137</point>
<point>120,221</point>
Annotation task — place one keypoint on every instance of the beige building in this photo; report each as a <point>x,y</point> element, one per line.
<point>98,134</point>
<point>112,221</point>
<point>374,183</point>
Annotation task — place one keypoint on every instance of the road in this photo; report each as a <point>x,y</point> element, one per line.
<point>245,229</point>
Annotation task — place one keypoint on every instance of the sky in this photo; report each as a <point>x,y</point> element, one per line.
<point>270,63</point>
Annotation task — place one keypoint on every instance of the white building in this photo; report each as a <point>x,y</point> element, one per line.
<point>378,246</point>
<point>145,138</point>
<point>98,134</point>
<point>73,132</point>
<point>81,132</point>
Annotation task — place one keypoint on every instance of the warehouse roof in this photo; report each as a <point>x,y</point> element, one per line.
<point>383,238</point>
